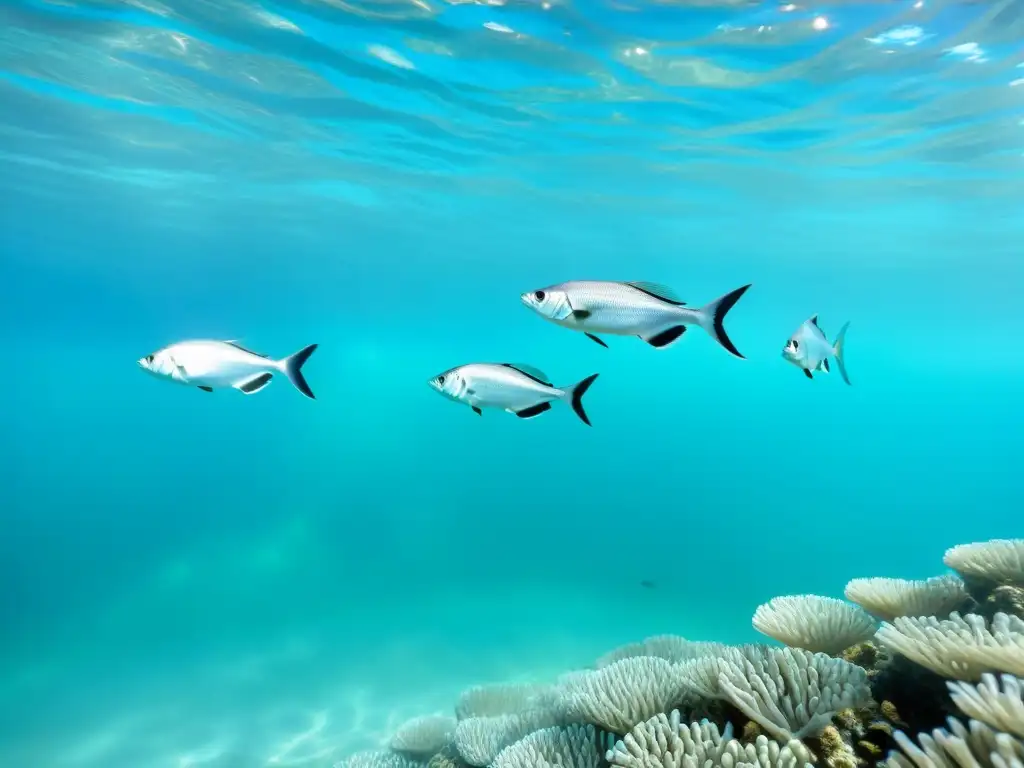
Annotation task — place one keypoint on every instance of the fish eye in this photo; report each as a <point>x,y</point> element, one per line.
<point>538,295</point>
<point>795,345</point>
<point>440,379</point>
<point>149,358</point>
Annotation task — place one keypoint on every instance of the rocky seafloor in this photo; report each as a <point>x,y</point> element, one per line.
<point>898,674</point>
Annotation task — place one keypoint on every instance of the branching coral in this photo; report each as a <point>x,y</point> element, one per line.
<point>664,741</point>
<point>814,623</point>
<point>793,693</point>
<point>999,707</point>
<point>480,740</point>
<point>990,741</point>
<point>889,598</point>
<point>999,561</point>
<point>378,759</point>
<point>424,736</point>
<point>623,694</point>
<point>959,647</point>
<point>573,746</point>
<point>669,647</point>
<point>701,676</point>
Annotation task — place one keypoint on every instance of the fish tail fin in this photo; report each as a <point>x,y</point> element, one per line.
<point>713,316</point>
<point>574,395</point>
<point>292,367</point>
<point>839,348</point>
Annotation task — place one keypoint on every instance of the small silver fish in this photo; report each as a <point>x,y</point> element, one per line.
<point>809,350</point>
<point>648,310</point>
<point>212,365</point>
<point>513,387</point>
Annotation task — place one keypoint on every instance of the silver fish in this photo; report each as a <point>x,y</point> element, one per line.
<point>648,310</point>
<point>513,387</point>
<point>212,365</point>
<point>809,350</point>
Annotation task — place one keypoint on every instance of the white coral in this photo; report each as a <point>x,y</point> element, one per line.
<point>959,647</point>
<point>623,694</point>
<point>1001,708</point>
<point>793,693</point>
<point>664,741</point>
<point>998,560</point>
<point>503,699</point>
<point>423,736</point>
<point>573,746</point>
<point>479,740</point>
<point>814,623</point>
<point>701,676</point>
<point>990,740</point>
<point>378,759</point>
<point>669,647</point>
<point>976,746</point>
<point>889,598</point>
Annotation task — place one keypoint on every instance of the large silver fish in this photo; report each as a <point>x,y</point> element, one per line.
<point>513,387</point>
<point>212,365</point>
<point>648,310</point>
<point>809,350</point>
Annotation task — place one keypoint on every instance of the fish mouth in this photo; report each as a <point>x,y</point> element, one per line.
<point>526,298</point>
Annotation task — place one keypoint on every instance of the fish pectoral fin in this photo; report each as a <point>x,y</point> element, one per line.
<point>253,384</point>
<point>824,366</point>
<point>477,411</point>
<point>580,314</point>
<point>533,410</point>
<point>807,373</point>
<point>595,338</point>
<point>664,338</point>
<point>179,368</point>
<point>205,389</point>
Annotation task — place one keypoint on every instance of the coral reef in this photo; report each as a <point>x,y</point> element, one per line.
<point>622,694</point>
<point>961,647</point>
<point>993,573</point>
<point>890,598</point>
<point>424,736</point>
<point>992,738</point>
<point>574,746</point>
<point>814,623</point>
<point>946,666</point>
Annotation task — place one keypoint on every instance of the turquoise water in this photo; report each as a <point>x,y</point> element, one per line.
<point>237,582</point>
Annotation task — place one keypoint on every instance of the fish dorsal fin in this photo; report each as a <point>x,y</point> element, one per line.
<point>814,321</point>
<point>531,371</point>
<point>234,343</point>
<point>658,291</point>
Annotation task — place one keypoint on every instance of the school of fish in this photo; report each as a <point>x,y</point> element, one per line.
<point>650,311</point>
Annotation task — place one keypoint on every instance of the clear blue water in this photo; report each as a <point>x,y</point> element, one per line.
<point>229,581</point>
